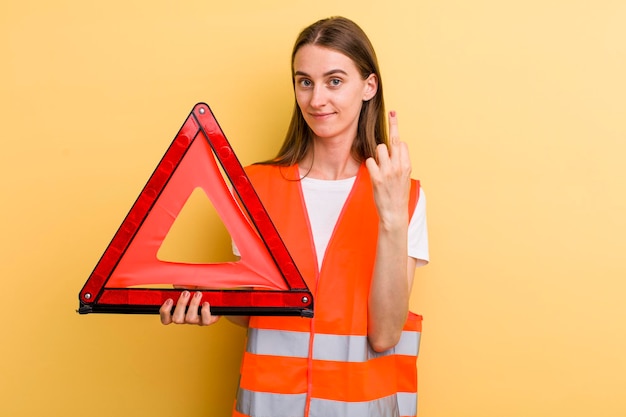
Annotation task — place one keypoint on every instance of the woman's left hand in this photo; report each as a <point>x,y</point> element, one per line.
<point>391,176</point>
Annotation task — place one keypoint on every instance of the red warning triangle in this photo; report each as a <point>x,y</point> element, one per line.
<point>264,281</point>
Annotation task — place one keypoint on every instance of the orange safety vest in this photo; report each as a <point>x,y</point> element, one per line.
<point>324,366</point>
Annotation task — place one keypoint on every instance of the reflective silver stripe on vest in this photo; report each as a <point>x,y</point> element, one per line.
<point>267,404</point>
<point>404,404</point>
<point>264,404</point>
<point>278,343</point>
<point>330,347</point>
<point>326,347</point>
<point>407,403</point>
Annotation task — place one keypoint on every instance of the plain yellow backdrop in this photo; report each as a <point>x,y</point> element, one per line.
<point>514,112</point>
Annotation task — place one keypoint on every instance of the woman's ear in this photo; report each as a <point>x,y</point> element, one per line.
<point>371,87</point>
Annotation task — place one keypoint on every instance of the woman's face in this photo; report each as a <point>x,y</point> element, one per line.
<point>330,92</point>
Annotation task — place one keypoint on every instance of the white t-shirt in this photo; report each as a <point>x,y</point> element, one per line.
<point>324,200</point>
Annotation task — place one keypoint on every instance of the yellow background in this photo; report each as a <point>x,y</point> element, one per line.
<point>514,113</point>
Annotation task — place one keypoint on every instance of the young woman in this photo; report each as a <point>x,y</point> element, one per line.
<point>340,194</point>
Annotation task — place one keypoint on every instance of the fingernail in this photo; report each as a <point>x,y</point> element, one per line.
<point>198,294</point>
<point>185,294</point>
<point>168,302</point>
<point>205,305</point>
<point>392,113</point>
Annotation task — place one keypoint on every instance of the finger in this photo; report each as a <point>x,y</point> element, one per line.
<point>192,311</point>
<point>405,156</point>
<point>179,312</point>
<point>206,317</point>
<point>394,134</point>
<point>166,311</point>
<point>372,167</point>
<point>383,155</point>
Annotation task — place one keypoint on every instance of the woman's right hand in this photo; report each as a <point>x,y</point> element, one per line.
<point>184,315</point>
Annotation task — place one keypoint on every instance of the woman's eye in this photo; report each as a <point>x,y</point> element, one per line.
<point>305,83</point>
<point>335,82</point>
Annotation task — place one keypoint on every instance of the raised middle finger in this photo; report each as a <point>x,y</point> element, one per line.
<point>394,134</point>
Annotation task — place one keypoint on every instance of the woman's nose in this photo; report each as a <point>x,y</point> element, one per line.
<point>318,96</point>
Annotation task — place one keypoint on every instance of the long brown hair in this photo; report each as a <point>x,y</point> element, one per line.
<point>346,37</point>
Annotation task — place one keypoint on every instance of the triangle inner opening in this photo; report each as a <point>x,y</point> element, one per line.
<point>198,235</point>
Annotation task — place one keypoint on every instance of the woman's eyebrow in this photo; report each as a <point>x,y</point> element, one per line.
<point>326,74</point>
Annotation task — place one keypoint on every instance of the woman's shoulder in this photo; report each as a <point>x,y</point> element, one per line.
<point>260,167</point>
<point>268,170</point>
<point>260,170</point>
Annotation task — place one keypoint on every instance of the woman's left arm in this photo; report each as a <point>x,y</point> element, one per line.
<point>388,303</point>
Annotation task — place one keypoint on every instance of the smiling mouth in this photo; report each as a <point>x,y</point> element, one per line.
<point>320,115</point>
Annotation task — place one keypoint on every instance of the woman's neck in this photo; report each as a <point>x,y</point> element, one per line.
<point>327,162</point>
